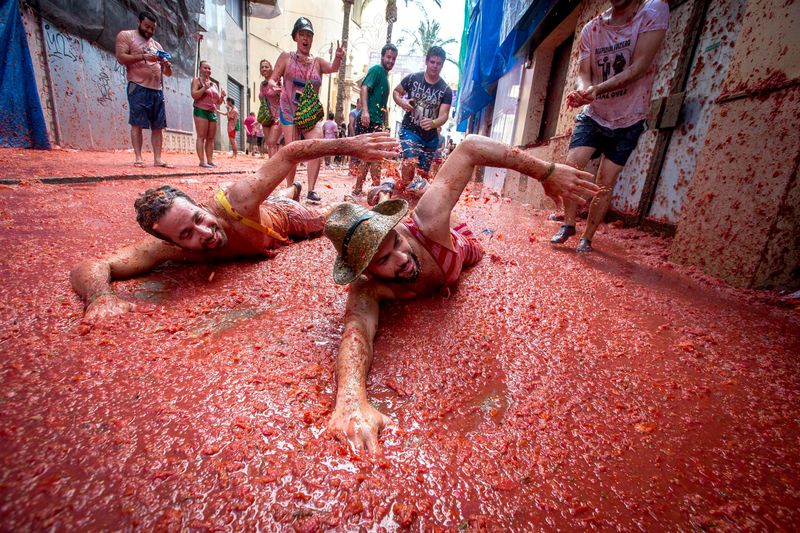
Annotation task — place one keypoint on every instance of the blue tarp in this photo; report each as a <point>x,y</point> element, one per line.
<point>21,121</point>
<point>488,59</point>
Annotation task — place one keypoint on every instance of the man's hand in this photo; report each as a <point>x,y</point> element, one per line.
<point>106,306</point>
<point>427,124</point>
<point>407,105</point>
<point>374,146</point>
<point>365,120</point>
<point>275,86</point>
<point>359,425</point>
<point>147,56</point>
<point>340,50</point>
<point>569,183</point>
<point>581,98</point>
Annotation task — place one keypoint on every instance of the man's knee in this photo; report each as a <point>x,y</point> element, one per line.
<point>608,175</point>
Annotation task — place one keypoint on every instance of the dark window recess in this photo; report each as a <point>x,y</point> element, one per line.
<point>555,89</point>
<point>235,10</point>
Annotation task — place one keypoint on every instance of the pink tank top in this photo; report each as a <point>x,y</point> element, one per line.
<point>295,77</point>
<point>273,98</point>
<point>209,100</point>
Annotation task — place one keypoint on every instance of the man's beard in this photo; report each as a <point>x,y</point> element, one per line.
<point>413,278</point>
<point>144,33</point>
<point>217,233</point>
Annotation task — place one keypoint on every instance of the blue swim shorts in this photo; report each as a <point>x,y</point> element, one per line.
<point>414,146</point>
<point>146,107</point>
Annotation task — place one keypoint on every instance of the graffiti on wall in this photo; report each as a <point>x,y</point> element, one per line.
<point>90,97</point>
<point>60,46</point>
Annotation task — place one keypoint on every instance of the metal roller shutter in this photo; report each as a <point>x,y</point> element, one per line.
<point>235,92</point>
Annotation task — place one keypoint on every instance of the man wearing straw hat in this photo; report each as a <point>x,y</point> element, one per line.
<point>386,254</point>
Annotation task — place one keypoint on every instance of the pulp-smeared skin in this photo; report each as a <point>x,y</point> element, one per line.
<point>534,397</point>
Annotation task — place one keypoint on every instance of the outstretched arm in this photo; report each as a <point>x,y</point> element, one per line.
<point>354,417</point>
<point>92,278</point>
<point>433,209</point>
<point>247,194</point>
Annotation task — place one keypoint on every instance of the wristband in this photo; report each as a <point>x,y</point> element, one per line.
<point>550,170</point>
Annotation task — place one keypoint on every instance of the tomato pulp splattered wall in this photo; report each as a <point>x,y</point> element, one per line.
<point>740,215</point>
<point>733,133</point>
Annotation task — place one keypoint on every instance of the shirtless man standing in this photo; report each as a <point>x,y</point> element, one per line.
<point>239,220</point>
<point>384,254</point>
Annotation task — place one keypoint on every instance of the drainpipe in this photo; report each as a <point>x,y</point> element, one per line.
<point>49,81</point>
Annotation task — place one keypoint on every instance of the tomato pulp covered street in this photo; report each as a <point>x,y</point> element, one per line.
<point>548,390</point>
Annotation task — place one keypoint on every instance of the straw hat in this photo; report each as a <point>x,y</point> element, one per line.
<point>358,232</point>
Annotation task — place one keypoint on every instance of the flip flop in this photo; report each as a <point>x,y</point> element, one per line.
<point>162,165</point>
<point>138,164</point>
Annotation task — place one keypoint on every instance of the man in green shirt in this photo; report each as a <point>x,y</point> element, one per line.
<point>374,115</point>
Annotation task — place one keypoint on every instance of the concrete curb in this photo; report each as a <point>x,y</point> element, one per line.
<point>57,180</point>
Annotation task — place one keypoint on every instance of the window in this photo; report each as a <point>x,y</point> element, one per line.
<point>555,89</point>
<point>235,10</point>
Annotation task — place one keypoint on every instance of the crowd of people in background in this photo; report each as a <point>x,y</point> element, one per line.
<point>289,108</point>
<point>613,108</point>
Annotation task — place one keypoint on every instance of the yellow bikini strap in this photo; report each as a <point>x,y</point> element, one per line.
<point>222,198</point>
